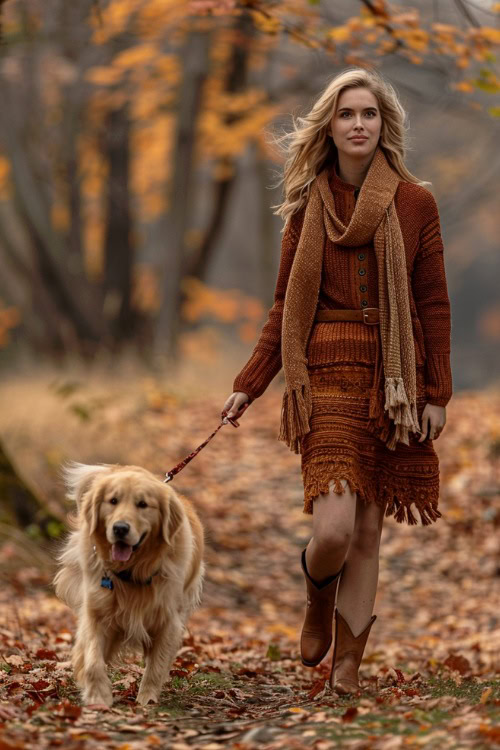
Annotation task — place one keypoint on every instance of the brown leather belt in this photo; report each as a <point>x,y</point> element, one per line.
<point>368,315</point>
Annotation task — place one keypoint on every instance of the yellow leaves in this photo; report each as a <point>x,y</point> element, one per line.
<point>247,332</point>
<point>143,54</point>
<point>151,145</point>
<point>93,241</point>
<point>93,174</point>
<point>339,33</point>
<point>154,17</point>
<point>408,18</point>
<point>116,18</point>
<point>490,34</point>
<point>223,169</point>
<point>60,216</point>
<point>104,75</point>
<point>143,66</point>
<point>145,292</point>
<point>485,695</point>
<point>203,300</point>
<point>10,317</point>
<point>488,81</point>
<point>226,306</point>
<point>444,30</point>
<point>169,68</point>
<point>489,323</point>
<point>266,23</point>
<point>229,121</point>
<point>465,86</point>
<point>415,39</point>
<point>4,178</point>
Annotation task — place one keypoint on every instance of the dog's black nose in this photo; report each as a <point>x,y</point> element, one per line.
<point>121,529</point>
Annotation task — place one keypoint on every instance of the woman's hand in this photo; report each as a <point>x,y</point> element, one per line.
<point>234,403</point>
<point>433,419</point>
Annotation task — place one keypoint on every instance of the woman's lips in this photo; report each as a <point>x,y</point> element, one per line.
<point>358,138</point>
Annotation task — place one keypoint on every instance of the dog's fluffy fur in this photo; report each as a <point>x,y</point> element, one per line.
<point>119,507</point>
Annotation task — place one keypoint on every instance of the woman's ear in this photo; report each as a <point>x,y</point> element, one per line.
<point>172,515</point>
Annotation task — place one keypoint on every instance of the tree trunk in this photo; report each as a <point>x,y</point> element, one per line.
<point>20,507</point>
<point>195,65</point>
<point>119,252</point>
<point>243,30</point>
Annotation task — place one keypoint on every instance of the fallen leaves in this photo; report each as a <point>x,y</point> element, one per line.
<point>428,676</point>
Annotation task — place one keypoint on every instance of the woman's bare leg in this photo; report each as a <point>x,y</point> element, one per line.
<point>333,525</point>
<point>358,584</point>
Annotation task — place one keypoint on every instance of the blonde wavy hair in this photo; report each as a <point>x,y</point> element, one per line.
<point>308,148</point>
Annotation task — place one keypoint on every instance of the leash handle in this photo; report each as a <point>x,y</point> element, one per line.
<point>232,420</point>
<point>225,420</point>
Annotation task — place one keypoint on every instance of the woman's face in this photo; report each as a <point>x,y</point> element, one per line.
<point>356,125</point>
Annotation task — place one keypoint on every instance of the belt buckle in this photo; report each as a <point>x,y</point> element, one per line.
<point>365,316</point>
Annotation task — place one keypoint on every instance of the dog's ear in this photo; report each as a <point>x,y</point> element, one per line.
<point>172,515</point>
<point>80,477</point>
<point>90,509</point>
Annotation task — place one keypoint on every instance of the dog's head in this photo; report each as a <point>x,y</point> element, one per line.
<point>123,507</point>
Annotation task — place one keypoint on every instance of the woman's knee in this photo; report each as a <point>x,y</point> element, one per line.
<point>366,536</point>
<point>331,538</point>
<point>334,515</point>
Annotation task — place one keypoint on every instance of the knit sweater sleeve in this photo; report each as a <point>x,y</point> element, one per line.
<point>433,306</point>
<point>265,361</point>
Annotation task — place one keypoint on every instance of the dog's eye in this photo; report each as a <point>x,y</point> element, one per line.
<point>142,504</point>
<point>114,501</point>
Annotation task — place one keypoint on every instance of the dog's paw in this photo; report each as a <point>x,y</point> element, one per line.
<point>148,695</point>
<point>103,697</point>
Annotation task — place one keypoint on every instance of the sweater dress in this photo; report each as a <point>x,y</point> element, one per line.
<point>341,358</point>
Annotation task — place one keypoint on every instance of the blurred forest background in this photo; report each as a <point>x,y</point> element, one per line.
<point>138,258</point>
<point>136,175</point>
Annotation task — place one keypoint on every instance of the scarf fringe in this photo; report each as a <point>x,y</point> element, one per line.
<point>392,421</point>
<point>296,410</point>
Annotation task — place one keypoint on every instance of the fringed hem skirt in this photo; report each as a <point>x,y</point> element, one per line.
<point>339,446</point>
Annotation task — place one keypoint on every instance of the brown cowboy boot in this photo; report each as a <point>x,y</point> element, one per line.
<point>316,636</point>
<point>347,655</point>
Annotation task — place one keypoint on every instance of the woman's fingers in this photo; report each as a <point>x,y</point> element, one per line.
<point>425,427</point>
<point>433,421</point>
<point>238,401</point>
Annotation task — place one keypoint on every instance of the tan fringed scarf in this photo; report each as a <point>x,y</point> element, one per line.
<point>374,218</point>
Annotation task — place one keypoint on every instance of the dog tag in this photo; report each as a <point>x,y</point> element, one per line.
<point>107,583</point>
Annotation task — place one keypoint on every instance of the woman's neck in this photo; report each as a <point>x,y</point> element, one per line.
<point>352,171</point>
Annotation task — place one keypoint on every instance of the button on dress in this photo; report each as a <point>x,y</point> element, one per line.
<point>341,358</point>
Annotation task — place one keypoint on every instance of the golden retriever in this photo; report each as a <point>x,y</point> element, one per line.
<point>132,570</point>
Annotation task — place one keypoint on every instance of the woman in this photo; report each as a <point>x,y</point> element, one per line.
<point>361,325</point>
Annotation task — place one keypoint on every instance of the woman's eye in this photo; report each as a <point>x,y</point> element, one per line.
<point>142,504</point>
<point>114,501</point>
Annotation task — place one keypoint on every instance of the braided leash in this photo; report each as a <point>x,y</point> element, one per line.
<point>225,420</point>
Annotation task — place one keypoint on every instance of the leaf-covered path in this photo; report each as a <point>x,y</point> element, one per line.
<point>430,673</point>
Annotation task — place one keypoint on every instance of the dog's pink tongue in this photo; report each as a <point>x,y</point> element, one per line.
<point>121,551</point>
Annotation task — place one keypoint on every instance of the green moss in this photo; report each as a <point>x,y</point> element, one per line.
<point>470,690</point>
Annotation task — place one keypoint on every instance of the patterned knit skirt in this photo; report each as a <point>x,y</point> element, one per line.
<point>339,446</point>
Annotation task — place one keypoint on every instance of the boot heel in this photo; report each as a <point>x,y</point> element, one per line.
<point>347,655</point>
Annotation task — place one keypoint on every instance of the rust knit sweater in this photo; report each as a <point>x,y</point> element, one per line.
<point>349,280</point>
